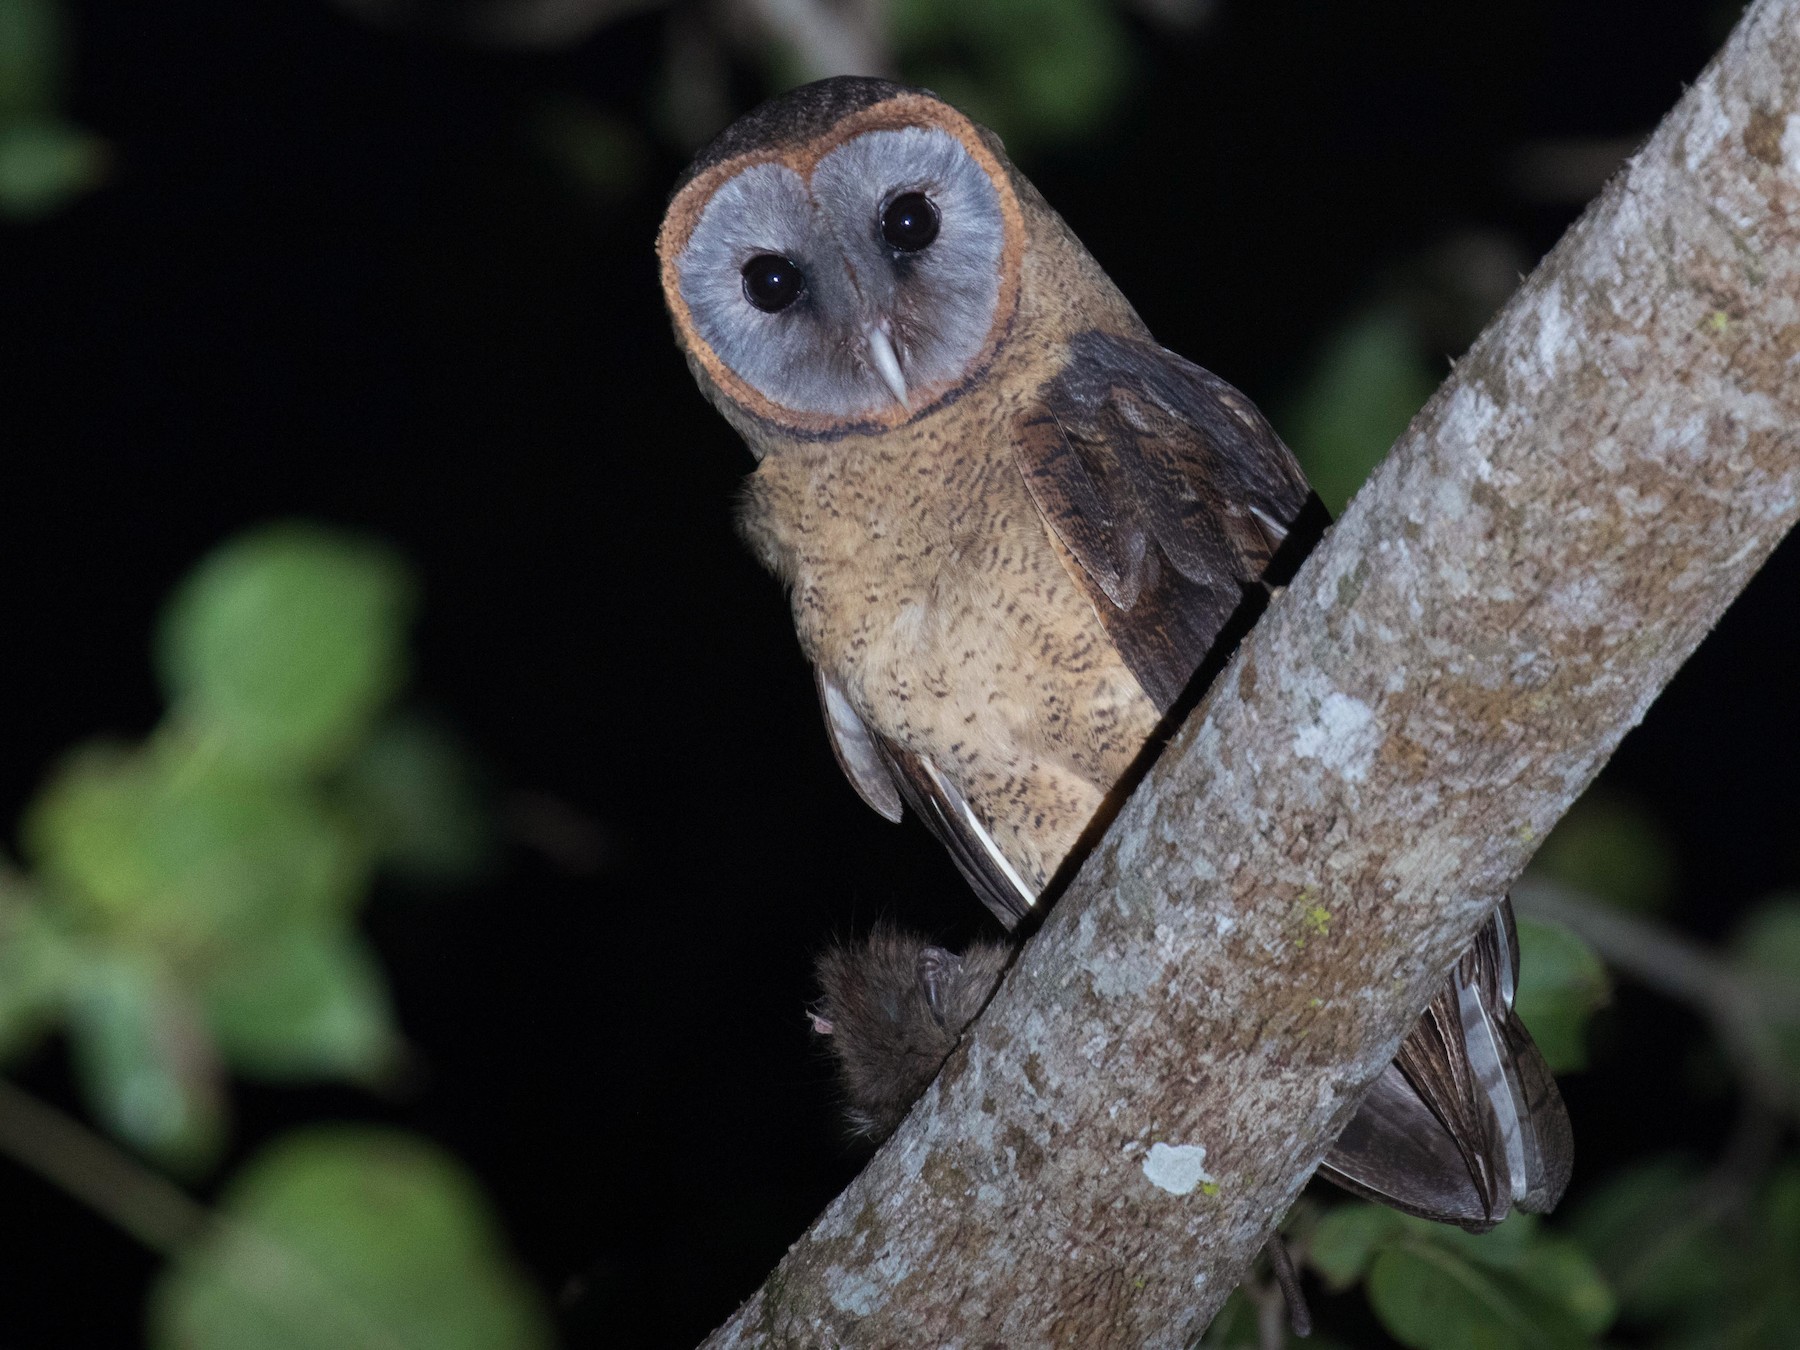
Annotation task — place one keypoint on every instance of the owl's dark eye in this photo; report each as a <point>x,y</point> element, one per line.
<point>910,222</point>
<point>772,282</point>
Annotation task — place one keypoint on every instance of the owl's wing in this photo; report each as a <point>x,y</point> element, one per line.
<point>1466,1122</point>
<point>1174,498</point>
<point>859,751</point>
<point>1169,491</point>
<point>884,773</point>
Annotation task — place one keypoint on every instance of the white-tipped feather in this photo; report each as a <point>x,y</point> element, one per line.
<point>1489,1064</point>
<point>980,831</point>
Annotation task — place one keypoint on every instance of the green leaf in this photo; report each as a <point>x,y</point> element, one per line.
<point>348,1239</point>
<point>1781,1215</point>
<point>1608,848</point>
<point>1362,392</point>
<point>1347,1238</point>
<point>44,164</point>
<point>1559,1270</point>
<point>1033,70</point>
<point>1772,1302</point>
<point>1768,943</point>
<point>305,1005</point>
<point>1561,983</point>
<point>1768,939</point>
<point>146,1062</point>
<point>31,57</point>
<point>174,849</point>
<point>413,791</point>
<point>286,643</point>
<point>1434,1298</point>
<point>37,966</point>
<point>1658,1246</point>
<point>1234,1326</point>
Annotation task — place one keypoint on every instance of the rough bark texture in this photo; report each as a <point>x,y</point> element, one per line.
<point>1555,533</point>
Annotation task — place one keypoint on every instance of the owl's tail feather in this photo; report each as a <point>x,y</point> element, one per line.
<point>1466,1123</point>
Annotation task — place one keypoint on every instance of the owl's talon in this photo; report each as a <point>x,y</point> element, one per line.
<point>936,968</point>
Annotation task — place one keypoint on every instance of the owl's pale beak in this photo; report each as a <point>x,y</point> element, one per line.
<point>885,361</point>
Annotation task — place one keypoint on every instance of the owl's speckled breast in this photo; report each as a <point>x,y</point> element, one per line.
<point>924,580</point>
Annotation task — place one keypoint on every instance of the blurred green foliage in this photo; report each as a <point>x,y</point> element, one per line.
<point>1699,1259</point>
<point>1766,946</point>
<point>281,648</point>
<point>1036,71</point>
<point>204,883</point>
<point>45,160</point>
<point>1610,849</point>
<point>192,900</point>
<point>1357,398</point>
<point>341,1236</point>
<point>192,910</point>
<point>1434,1287</point>
<point>1438,1288</point>
<point>1561,984</point>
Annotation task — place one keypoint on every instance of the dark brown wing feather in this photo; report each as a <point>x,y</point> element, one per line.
<point>1466,1122</point>
<point>884,773</point>
<point>954,822</point>
<point>859,754</point>
<point>1170,492</point>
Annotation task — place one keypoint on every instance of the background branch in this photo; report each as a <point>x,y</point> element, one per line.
<point>108,1180</point>
<point>1743,1005</point>
<point>1552,537</point>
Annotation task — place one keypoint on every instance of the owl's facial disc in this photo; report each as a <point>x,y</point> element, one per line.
<point>853,287</point>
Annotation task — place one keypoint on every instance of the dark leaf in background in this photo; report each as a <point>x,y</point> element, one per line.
<point>31,57</point>
<point>1659,1248</point>
<point>1698,1259</point>
<point>174,849</point>
<point>44,164</point>
<point>1362,391</point>
<point>1767,944</point>
<point>147,1061</point>
<point>46,161</point>
<point>413,791</point>
<point>305,1004</point>
<point>1438,1288</point>
<point>281,649</point>
<point>1035,71</point>
<point>1608,848</point>
<point>1561,984</point>
<point>348,1239</point>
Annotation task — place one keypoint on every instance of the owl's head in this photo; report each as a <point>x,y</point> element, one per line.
<point>844,258</point>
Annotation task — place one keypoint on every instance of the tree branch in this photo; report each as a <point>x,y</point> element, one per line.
<point>1270,912</point>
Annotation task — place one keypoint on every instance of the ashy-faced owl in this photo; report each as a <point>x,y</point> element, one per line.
<point>1013,528</point>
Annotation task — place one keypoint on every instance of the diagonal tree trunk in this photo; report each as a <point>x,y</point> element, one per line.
<point>1558,529</point>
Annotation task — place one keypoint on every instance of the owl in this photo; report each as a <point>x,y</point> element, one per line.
<point>1017,533</point>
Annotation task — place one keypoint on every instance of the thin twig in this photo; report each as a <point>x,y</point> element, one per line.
<point>102,1176</point>
<point>162,1216</point>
